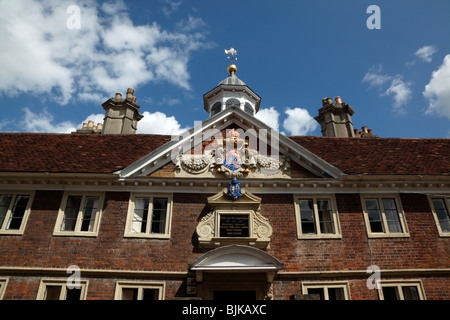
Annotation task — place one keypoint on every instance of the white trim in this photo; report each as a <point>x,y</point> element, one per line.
<point>335,214</point>
<point>326,285</point>
<point>401,215</point>
<point>63,283</point>
<point>398,284</point>
<point>26,214</point>
<point>130,213</point>
<point>436,220</point>
<point>159,285</point>
<point>77,231</point>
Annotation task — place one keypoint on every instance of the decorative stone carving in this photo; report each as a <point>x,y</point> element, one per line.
<point>208,228</point>
<point>233,158</point>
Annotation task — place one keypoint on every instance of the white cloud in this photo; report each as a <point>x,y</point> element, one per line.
<point>375,78</point>
<point>299,122</point>
<point>437,91</point>
<point>401,93</point>
<point>425,53</point>
<point>43,122</point>
<point>398,89</point>
<point>106,55</point>
<point>269,116</point>
<point>159,123</point>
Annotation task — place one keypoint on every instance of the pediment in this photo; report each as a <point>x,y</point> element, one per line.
<point>192,153</point>
<point>236,257</point>
<point>221,199</point>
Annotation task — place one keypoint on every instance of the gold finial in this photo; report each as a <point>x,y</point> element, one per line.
<point>232,53</point>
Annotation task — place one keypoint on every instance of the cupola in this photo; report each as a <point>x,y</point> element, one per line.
<point>231,92</point>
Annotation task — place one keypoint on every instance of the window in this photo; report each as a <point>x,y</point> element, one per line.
<point>3,284</point>
<point>317,217</point>
<point>327,290</point>
<point>401,290</point>
<point>248,108</point>
<point>79,214</point>
<point>216,108</point>
<point>384,216</point>
<point>149,216</point>
<point>233,102</point>
<point>14,212</point>
<point>139,291</point>
<point>441,209</point>
<point>58,290</point>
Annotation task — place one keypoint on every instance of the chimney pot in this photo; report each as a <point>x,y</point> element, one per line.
<point>329,100</point>
<point>338,100</point>
<point>370,131</point>
<point>84,125</point>
<point>356,131</point>
<point>99,126</point>
<point>118,95</point>
<point>90,124</point>
<point>364,129</point>
<point>324,102</point>
<point>130,93</point>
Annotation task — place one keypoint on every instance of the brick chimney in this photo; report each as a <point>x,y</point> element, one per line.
<point>122,115</point>
<point>335,118</point>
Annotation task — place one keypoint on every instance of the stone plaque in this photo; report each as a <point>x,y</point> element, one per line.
<point>234,225</point>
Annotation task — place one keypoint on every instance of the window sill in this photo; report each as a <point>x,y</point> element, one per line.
<point>147,236</point>
<point>388,235</point>
<point>318,236</point>
<point>75,234</point>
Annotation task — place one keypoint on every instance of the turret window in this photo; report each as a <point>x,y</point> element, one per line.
<point>216,108</point>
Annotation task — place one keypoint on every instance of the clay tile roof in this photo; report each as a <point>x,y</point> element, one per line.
<point>78,153</point>
<point>379,156</point>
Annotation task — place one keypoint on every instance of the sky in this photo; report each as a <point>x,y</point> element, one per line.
<point>60,60</point>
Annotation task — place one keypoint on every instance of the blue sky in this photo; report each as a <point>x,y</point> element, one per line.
<point>291,53</point>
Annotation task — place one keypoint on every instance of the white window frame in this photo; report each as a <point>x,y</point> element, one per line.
<point>148,234</point>
<point>26,214</point>
<point>3,285</point>
<point>326,285</point>
<point>436,220</point>
<point>63,284</point>
<point>398,284</point>
<point>401,216</point>
<point>140,285</point>
<point>335,215</point>
<point>77,232</point>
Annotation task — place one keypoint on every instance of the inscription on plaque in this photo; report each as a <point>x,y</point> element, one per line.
<point>234,225</point>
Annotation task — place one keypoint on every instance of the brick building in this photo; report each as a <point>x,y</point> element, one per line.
<point>230,207</point>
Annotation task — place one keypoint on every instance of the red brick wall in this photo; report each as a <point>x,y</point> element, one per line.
<point>37,247</point>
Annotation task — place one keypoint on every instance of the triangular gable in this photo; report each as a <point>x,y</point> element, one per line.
<point>193,139</point>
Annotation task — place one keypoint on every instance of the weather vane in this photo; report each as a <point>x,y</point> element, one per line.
<point>231,52</point>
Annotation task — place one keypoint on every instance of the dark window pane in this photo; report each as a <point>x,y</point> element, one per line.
<point>442,214</point>
<point>216,108</point>
<point>17,213</point>
<point>410,293</point>
<point>52,292</point>
<point>336,294</point>
<point>129,293</point>
<point>373,210</point>
<point>318,291</point>
<point>159,215</point>
<point>5,201</point>
<point>89,212</point>
<point>71,213</point>
<point>307,216</point>
<point>390,293</point>
<point>73,294</point>
<point>150,294</point>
